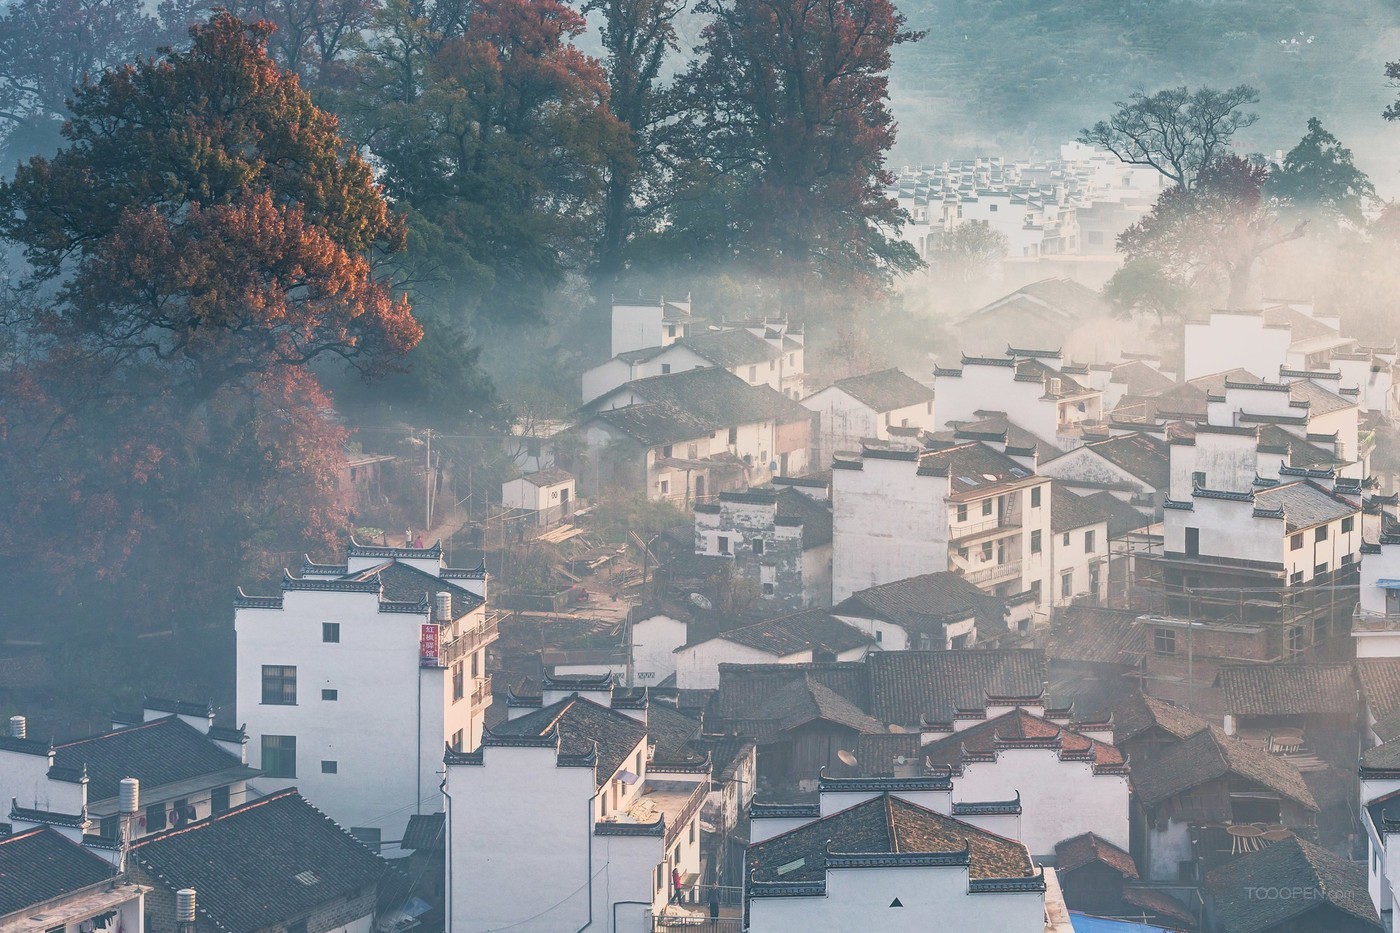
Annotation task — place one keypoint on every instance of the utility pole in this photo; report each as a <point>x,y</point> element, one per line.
<point>428,481</point>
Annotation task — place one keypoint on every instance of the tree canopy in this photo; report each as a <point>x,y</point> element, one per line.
<point>1176,131</point>
<point>1318,178</point>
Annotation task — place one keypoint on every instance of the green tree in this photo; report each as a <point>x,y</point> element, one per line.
<point>1318,178</point>
<point>789,130</point>
<point>969,252</point>
<point>1200,244</point>
<point>1175,131</point>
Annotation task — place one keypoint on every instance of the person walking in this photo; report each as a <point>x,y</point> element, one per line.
<point>676,890</point>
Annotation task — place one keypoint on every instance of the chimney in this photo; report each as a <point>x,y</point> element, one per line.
<point>18,728</point>
<point>185,909</point>
<point>442,607</point>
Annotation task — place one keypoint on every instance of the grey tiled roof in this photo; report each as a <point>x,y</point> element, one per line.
<point>815,515</point>
<point>972,466</point>
<point>730,348</point>
<point>426,832</point>
<point>403,583</point>
<point>582,724</point>
<point>1092,635</point>
<point>883,825</point>
<point>40,864</point>
<point>907,686</point>
<point>690,405</point>
<point>1138,713</point>
<point>885,390</point>
<point>159,752</point>
<point>746,687</point>
<point>1122,518</point>
<point>1304,504</point>
<point>1141,455</point>
<point>249,864</point>
<point>923,604</point>
<point>1069,511</point>
<point>1380,685</point>
<point>1288,689</point>
<point>1211,754</point>
<point>796,632</point>
<point>1291,865</point>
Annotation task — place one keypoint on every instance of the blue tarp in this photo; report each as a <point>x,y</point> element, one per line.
<point>1083,923</point>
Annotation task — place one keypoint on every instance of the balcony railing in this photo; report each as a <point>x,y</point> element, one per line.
<point>467,642</point>
<point>988,527</point>
<point>697,924</point>
<point>987,573</point>
<point>1367,621</point>
<point>674,827</point>
<point>482,693</point>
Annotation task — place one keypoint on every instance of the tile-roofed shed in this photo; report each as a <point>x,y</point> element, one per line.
<point>883,825</point>
<point>923,604</point>
<point>582,725</point>
<point>1083,849</point>
<point>1380,686</point>
<point>1069,511</point>
<point>1304,504</point>
<point>1138,713</point>
<point>731,348</point>
<point>1209,755</point>
<point>1291,865</point>
<point>1288,689</point>
<point>886,390</point>
<point>908,687</point>
<point>1141,455</point>
<point>798,632</point>
<point>40,864</point>
<point>157,753</point>
<point>265,863</point>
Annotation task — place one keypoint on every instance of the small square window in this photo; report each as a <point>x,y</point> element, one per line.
<point>330,632</point>
<point>724,544</point>
<point>1348,524</point>
<point>330,767</point>
<point>768,589</point>
<point>758,545</point>
<point>986,506</point>
<point>665,369</point>
<point>1295,542</point>
<point>330,694</point>
<point>1321,533</point>
<point>962,512</point>
<point>1164,641</point>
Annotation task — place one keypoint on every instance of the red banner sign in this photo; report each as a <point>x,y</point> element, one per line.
<point>428,646</point>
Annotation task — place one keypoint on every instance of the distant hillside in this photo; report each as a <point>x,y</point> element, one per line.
<point>1020,76</point>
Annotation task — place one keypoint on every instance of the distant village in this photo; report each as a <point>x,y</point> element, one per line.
<point>1057,635</point>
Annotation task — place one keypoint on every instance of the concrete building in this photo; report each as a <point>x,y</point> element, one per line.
<point>557,818</point>
<point>316,662</point>
<point>1079,548</point>
<point>861,408</point>
<point>965,508</point>
<point>778,539</point>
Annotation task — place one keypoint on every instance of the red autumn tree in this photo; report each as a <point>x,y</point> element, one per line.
<point>794,126</point>
<point>204,242</point>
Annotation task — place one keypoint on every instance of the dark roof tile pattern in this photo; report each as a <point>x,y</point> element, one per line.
<point>582,724</point>
<point>1141,455</point>
<point>923,604</point>
<point>982,738</point>
<point>1088,634</point>
<point>426,832</point>
<point>692,404</point>
<point>798,632</point>
<point>1297,865</point>
<point>41,864</point>
<point>815,515</point>
<point>1304,504</point>
<point>884,825</point>
<point>1380,685</point>
<point>162,751</point>
<point>885,390</point>
<point>1123,519</point>
<point>1086,848</point>
<point>249,864</point>
<point>972,467</point>
<point>407,584</point>
<point>1211,754</point>
<point>730,348</point>
<point>1288,689</point>
<point>1138,713</point>
<point>745,687</point>
<point>909,686</point>
<point>1069,512</point>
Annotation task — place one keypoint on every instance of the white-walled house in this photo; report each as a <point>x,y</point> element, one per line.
<point>1069,778</point>
<point>642,323</point>
<point>885,862</point>
<point>549,493</point>
<point>556,818</point>
<point>796,638</point>
<point>1032,387</point>
<point>778,541</point>
<point>1079,548</point>
<point>1133,467</point>
<point>188,769</point>
<point>1289,334</point>
<point>686,436</point>
<point>316,663</point>
<point>860,408</point>
<point>53,884</point>
<point>964,507</point>
<point>1375,629</point>
<point>939,610</point>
